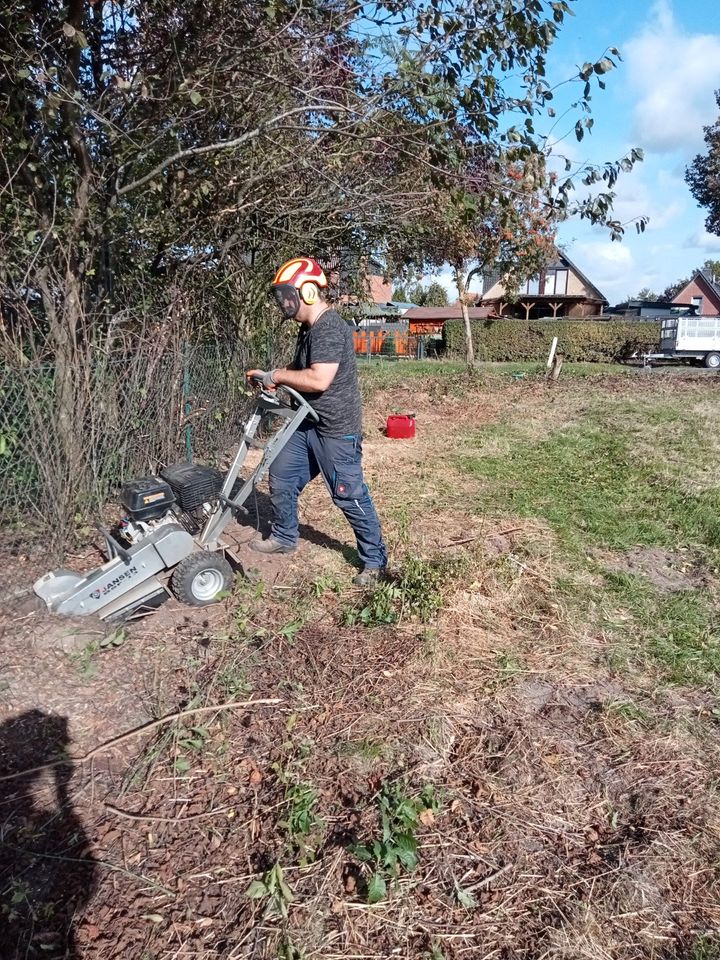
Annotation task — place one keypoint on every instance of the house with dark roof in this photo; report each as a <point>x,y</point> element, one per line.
<point>702,292</point>
<point>561,290</point>
<point>650,309</point>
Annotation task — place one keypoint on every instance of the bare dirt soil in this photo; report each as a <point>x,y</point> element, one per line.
<point>667,570</point>
<point>208,783</point>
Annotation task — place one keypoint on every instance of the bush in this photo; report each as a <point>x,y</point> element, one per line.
<point>594,341</point>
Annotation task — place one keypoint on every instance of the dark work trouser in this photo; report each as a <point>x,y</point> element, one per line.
<point>339,460</point>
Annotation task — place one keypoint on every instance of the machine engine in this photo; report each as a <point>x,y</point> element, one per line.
<point>184,493</point>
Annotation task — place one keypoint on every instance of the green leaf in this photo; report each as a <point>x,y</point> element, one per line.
<point>377,888</point>
<point>195,98</point>
<point>114,639</point>
<point>182,765</point>
<point>464,898</point>
<point>256,890</point>
<point>407,851</point>
<point>287,894</point>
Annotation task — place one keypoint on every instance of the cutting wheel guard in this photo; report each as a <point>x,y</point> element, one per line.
<point>284,403</point>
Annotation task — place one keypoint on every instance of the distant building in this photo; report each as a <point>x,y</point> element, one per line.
<point>378,289</point>
<point>561,290</point>
<point>353,279</point>
<point>703,293</point>
<point>649,309</point>
<point>429,321</point>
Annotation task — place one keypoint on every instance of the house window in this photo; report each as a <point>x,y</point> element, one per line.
<point>697,302</point>
<point>555,283</point>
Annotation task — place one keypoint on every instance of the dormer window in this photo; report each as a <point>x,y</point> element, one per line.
<point>553,283</point>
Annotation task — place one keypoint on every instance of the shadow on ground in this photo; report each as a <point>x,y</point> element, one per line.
<point>259,517</point>
<point>47,872</point>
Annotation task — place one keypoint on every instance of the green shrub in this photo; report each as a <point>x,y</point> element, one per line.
<point>595,341</point>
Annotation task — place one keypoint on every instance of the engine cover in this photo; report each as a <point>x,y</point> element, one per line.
<point>193,484</point>
<point>147,498</point>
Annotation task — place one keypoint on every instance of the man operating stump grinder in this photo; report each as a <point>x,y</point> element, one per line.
<point>324,371</point>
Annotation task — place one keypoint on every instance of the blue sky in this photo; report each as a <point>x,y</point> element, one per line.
<point>659,99</point>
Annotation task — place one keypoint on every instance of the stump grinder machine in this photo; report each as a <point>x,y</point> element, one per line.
<point>170,539</point>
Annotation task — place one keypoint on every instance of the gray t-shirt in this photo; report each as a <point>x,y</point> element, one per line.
<point>330,340</point>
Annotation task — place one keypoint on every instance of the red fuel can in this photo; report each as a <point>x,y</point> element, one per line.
<point>400,426</point>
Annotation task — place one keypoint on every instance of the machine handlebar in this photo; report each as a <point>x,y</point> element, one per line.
<point>292,394</point>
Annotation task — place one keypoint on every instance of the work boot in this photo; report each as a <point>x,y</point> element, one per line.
<point>370,576</point>
<point>271,545</point>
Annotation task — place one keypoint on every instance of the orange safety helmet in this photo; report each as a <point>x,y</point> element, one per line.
<point>300,279</point>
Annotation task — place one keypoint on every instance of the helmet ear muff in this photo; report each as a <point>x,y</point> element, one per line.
<point>309,293</point>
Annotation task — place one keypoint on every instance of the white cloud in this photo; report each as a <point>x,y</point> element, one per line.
<point>606,257</point>
<point>702,240</point>
<point>661,203</point>
<point>672,75</point>
<point>656,194</point>
<point>612,268</point>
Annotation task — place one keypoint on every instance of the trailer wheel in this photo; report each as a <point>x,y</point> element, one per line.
<point>712,360</point>
<point>199,578</point>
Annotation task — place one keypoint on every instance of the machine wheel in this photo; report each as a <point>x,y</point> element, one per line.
<point>712,360</point>
<point>199,578</point>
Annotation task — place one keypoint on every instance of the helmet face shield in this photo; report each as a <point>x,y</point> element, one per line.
<point>288,299</point>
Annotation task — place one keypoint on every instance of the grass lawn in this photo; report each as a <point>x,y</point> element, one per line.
<point>622,475</point>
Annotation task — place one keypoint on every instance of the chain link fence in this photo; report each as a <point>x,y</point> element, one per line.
<point>135,408</point>
<point>134,413</point>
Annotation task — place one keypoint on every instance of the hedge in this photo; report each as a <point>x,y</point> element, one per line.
<point>594,341</point>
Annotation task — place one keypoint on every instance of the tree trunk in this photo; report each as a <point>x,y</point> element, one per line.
<point>461,283</point>
<point>63,332</point>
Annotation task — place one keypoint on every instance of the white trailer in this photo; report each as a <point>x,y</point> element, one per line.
<point>689,338</point>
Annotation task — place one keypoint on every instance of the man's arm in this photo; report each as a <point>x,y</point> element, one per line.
<point>315,379</point>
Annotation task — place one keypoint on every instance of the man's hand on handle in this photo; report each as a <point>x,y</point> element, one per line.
<point>261,377</point>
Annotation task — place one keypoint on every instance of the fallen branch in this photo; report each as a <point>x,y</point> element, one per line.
<point>486,536</point>
<point>488,881</point>
<point>128,815</point>
<point>137,731</point>
<point>91,863</point>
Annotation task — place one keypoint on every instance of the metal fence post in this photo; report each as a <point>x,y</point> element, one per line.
<point>187,405</point>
